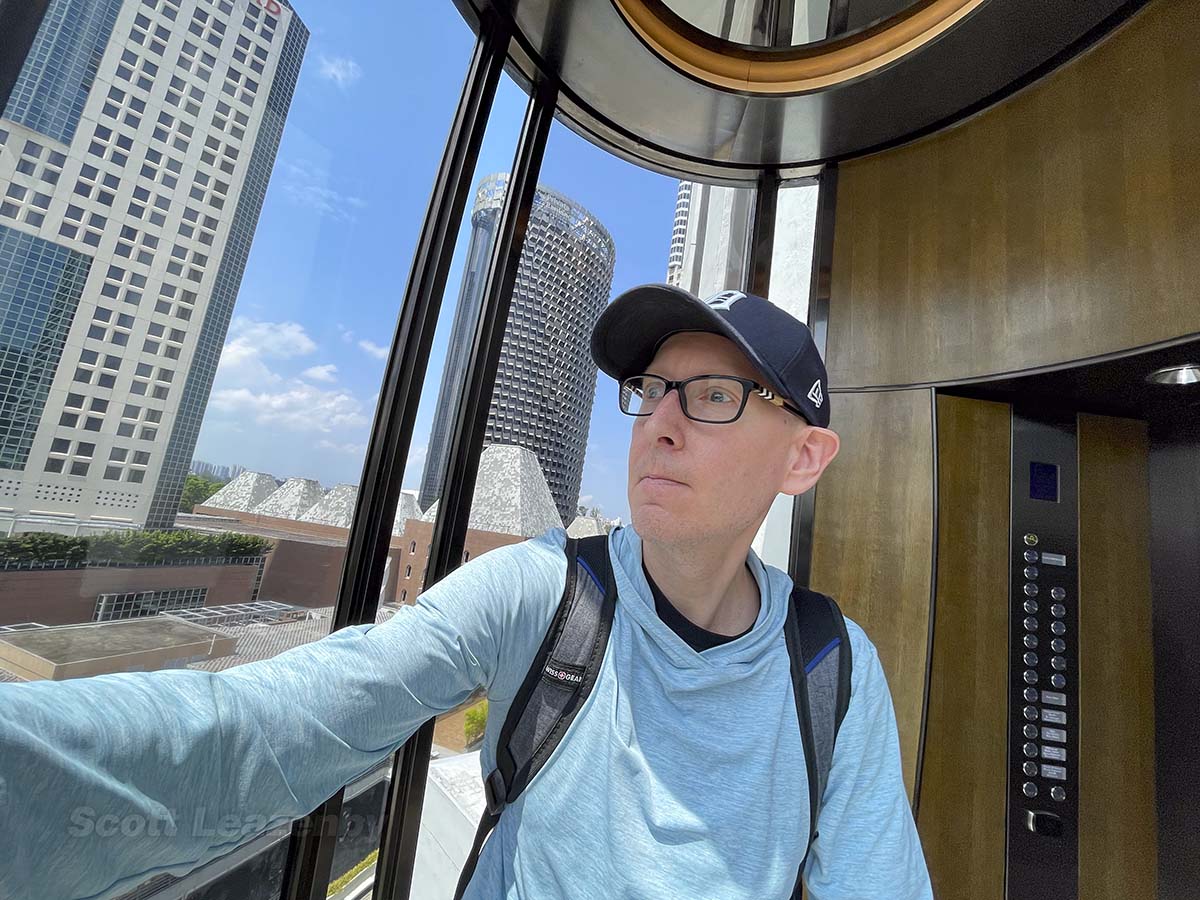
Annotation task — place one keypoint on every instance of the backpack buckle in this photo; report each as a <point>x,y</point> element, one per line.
<point>495,791</point>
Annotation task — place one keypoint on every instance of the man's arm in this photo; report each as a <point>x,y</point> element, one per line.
<point>868,845</point>
<point>118,777</point>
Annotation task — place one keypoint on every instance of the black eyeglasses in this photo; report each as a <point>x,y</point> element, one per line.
<point>717,399</point>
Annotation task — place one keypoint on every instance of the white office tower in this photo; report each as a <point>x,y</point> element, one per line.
<point>135,151</point>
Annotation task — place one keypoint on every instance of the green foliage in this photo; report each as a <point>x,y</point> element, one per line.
<point>475,722</point>
<point>131,546</point>
<point>197,489</point>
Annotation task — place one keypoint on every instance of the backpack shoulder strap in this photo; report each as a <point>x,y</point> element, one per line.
<point>819,649</point>
<point>561,677</point>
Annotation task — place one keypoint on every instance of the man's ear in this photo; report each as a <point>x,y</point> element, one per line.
<point>814,449</point>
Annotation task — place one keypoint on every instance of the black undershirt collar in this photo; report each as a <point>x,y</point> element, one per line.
<point>693,635</point>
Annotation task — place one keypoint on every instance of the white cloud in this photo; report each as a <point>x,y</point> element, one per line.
<point>299,407</point>
<point>327,373</point>
<point>346,333</point>
<point>341,70</point>
<point>251,342</point>
<point>307,184</point>
<point>350,448</point>
<point>374,349</point>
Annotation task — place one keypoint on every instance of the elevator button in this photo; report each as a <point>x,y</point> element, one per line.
<point>1058,663</point>
<point>1058,793</point>
<point>1031,572</point>
<point>1030,731</point>
<point>1058,645</point>
<point>1058,773</point>
<point>1054,699</point>
<point>1029,768</point>
<point>1031,556</point>
<point>1045,823</point>
<point>1030,623</point>
<point>1058,754</point>
<point>1058,610</point>
<point>1031,540</point>
<point>1030,589</point>
<point>1030,658</point>
<point>1054,716</point>
<point>1058,626</point>
<point>1029,789</point>
<point>1058,681</point>
<point>1030,676</point>
<point>1030,749</point>
<point>1057,735</point>
<point>1058,593</point>
<point>1031,694</point>
<point>1030,641</point>
<point>1030,605</point>
<point>1031,713</point>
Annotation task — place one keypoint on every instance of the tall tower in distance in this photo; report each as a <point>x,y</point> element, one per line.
<point>135,150</point>
<point>546,379</point>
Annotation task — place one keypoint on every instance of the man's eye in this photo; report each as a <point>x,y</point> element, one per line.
<point>653,392</point>
<point>718,396</point>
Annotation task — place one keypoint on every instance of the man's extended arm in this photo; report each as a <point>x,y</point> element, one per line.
<point>187,764</point>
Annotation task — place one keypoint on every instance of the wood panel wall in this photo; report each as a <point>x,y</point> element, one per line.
<point>1118,855</point>
<point>1058,225</point>
<point>961,816</point>
<point>873,539</point>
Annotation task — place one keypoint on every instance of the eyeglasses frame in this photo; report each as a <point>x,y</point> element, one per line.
<point>752,386</point>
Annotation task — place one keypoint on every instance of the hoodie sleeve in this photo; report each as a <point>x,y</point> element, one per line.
<point>867,846</point>
<point>108,780</point>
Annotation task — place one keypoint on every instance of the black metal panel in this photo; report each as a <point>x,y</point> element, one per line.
<point>805,508</point>
<point>311,852</point>
<point>619,93</point>
<point>1042,858</point>
<point>19,23</point>
<point>760,236</point>
<point>466,446</point>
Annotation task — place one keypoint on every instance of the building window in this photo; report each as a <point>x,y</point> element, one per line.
<point>412,547</point>
<point>137,604</point>
<point>408,571</point>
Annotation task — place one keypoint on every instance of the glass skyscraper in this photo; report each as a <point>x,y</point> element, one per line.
<point>546,379</point>
<point>135,150</point>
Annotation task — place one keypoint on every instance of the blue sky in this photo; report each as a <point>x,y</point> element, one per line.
<point>300,372</point>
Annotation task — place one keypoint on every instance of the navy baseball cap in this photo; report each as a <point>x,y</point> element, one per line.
<point>633,327</point>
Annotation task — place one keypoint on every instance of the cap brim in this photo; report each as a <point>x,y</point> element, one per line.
<point>633,327</point>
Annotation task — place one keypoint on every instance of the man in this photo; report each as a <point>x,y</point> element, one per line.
<point>683,774</point>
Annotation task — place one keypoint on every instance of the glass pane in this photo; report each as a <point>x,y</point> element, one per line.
<point>196,340</point>
<point>750,21</point>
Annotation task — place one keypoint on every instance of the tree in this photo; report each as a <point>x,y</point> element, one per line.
<point>197,489</point>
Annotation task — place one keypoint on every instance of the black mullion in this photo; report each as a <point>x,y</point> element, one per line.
<point>310,853</point>
<point>805,508</point>
<point>466,445</point>
<point>760,238</point>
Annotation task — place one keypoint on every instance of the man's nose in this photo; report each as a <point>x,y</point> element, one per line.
<point>667,420</point>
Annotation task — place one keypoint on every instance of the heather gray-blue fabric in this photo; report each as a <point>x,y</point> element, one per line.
<point>683,775</point>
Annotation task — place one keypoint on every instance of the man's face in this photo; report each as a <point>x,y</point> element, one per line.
<point>694,481</point>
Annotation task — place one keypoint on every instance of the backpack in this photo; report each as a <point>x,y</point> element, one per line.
<point>568,661</point>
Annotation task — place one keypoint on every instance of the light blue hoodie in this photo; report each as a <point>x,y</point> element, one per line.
<point>682,776</point>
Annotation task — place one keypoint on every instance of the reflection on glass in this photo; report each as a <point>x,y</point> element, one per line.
<point>783,23</point>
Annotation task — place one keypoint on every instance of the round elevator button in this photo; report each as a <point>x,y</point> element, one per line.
<point>1058,681</point>
<point>1031,572</point>
<point>1058,593</point>
<point>1030,658</point>
<point>1030,713</point>
<point>1029,768</point>
<point>1058,645</point>
<point>1030,605</point>
<point>1029,789</point>
<point>1058,610</point>
<point>1058,627</point>
<point>1030,623</point>
<point>1030,640</point>
<point>1030,731</point>
<point>1058,663</point>
<point>1031,694</point>
<point>1031,556</point>
<point>1031,540</point>
<point>1030,589</point>
<point>1058,793</point>
<point>1030,749</point>
<point>1030,676</point>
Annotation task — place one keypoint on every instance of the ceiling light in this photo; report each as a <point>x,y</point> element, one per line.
<point>1185,374</point>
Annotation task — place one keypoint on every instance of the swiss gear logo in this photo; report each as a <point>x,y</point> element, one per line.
<point>563,675</point>
<point>815,395</point>
<point>725,299</point>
